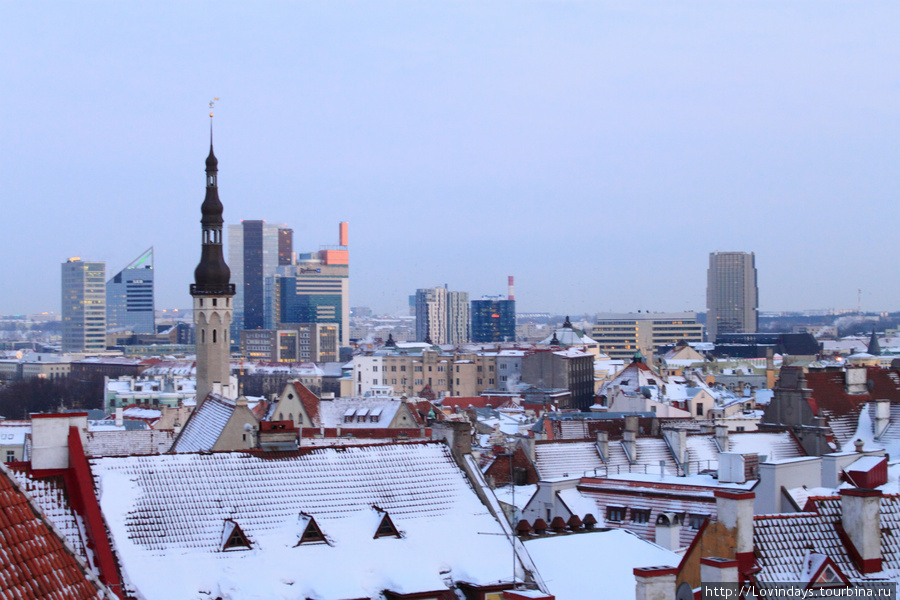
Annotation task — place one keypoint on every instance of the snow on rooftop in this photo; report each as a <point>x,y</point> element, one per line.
<point>166,515</point>
<point>570,565</point>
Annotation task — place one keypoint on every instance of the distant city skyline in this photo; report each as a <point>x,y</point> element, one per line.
<point>597,151</point>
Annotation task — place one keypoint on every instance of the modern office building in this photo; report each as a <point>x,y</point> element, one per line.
<point>285,246</point>
<point>129,297</point>
<point>270,345</point>
<point>314,290</point>
<point>83,306</point>
<point>732,296</point>
<point>254,249</point>
<point>493,319</point>
<point>442,316</point>
<point>621,335</point>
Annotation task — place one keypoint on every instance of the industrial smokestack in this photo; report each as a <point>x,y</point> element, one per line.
<point>512,292</point>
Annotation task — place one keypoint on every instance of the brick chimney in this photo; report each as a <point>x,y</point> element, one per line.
<point>735,511</point>
<point>861,522</point>
<point>655,583</point>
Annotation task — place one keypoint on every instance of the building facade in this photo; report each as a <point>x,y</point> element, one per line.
<point>253,253</point>
<point>316,289</point>
<point>493,319</point>
<point>442,316</point>
<point>732,296</point>
<point>621,335</point>
<point>129,297</point>
<point>83,306</point>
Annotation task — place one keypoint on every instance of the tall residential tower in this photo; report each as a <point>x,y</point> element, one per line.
<point>213,292</point>
<point>732,297</point>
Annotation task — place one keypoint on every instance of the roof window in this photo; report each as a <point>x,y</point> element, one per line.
<point>311,533</point>
<point>233,537</point>
<point>386,526</point>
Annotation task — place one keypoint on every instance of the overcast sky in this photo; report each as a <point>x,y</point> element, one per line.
<point>597,151</point>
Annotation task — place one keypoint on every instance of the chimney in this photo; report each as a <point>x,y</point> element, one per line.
<point>668,531</point>
<point>655,583</point>
<point>861,522</point>
<point>603,445</point>
<point>511,295</point>
<point>628,438</point>
<point>120,417</point>
<point>677,439</point>
<point>734,511</point>
<point>855,380</point>
<point>343,236</point>
<point>714,569</point>
<point>882,416</point>
<point>722,437</point>
<point>631,423</point>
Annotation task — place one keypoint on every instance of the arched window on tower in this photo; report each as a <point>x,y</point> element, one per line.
<point>202,336</point>
<point>214,336</point>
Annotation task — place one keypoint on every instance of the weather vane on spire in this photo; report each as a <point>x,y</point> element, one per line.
<point>211,105</point>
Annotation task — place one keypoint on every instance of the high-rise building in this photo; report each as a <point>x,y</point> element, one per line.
<point>314,290</point>
<point>493,319</point>
<point>253,251</point>
<point>213,293</point>
<point>129,297</point>
<point>732,296</point>
<point>285,246</point>
<point>442,316</point>
<point>83,306</point>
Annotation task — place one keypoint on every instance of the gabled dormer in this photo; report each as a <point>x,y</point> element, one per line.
<point>312,533</point>
<point>233,537</point>
<point>386,526</point>
<point>820,571</point>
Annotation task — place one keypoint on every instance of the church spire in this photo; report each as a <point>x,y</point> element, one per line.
<point>212,276</point>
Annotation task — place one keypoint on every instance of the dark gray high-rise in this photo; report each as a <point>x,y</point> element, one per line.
<point>732,297</point>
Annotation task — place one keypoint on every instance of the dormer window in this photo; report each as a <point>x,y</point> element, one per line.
<point>386,527</point>
<point>233,538</point>
<point>311,533</point>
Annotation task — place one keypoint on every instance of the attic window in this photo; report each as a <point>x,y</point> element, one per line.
<point>828,577</point>
<point>640,515</point>
<point>233,538</point>
<point>312,534</point>
<point>386,528</point>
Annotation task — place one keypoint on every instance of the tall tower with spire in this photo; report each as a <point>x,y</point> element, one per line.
<point>212,291</point>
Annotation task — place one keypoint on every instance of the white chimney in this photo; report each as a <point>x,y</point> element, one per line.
<point>120,417</point>
<point>655,583</point>
<point>734,510</point>
<point>714,569</point>
<point>882,416</point>
<point>603,445</point>
<point>668,531</point>
<point>861,520</point>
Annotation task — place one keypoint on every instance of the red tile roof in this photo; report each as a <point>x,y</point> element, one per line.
<point>34,562</point>
<point>309,401</point>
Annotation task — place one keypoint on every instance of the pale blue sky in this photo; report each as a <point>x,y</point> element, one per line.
<point>597,151</point>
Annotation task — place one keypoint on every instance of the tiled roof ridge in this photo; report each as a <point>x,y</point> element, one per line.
<point>86,571</point>
<point>793,515</point>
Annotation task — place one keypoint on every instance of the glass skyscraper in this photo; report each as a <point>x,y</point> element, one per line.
<point>129,297</point>
<point>493,319</point>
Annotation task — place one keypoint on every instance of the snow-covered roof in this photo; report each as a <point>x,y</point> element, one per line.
<point>570,565</point>
<point>360,412</point>
<point>566,459</point>
<point>123,443</point>
<point>205,425</point>
<point>12,433</point>
<point>166,515</point>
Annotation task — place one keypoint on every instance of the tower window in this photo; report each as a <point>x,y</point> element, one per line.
<point>202,336</point>
<point>214,336</point>
<point>215,301</point>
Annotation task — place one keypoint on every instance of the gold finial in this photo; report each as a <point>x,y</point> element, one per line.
<point>211,105</point>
